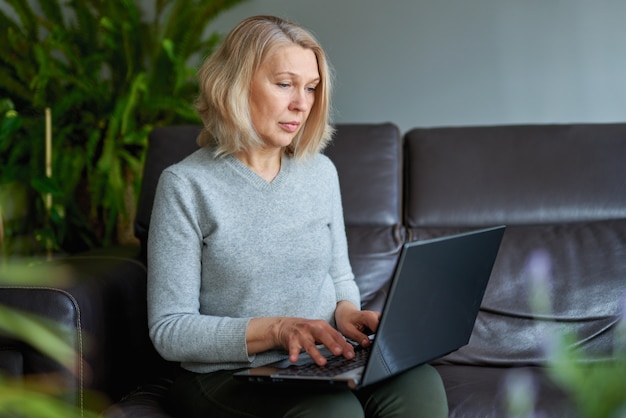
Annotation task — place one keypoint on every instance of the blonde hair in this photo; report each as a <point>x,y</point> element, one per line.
<point>225,77</point>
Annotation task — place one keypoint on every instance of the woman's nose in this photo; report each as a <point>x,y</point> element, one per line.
<point>301,100</point>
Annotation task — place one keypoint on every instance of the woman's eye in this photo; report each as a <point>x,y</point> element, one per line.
<point>283,85</point>
<point>310,89</point>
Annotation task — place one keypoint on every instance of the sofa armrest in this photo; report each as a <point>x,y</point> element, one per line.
<point>101,303</point>
<point>56,310</point>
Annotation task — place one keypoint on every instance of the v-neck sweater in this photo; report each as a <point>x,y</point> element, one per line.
<point>226,246</point>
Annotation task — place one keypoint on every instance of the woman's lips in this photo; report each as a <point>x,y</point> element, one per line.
<point>290,126</point>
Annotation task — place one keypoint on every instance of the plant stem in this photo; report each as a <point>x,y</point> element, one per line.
<point>48,174</point>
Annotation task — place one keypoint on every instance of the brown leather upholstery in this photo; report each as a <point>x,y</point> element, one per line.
<point>100,310</point>
<point>517,175</point>
<point>562,193</point>
<point>369,162</point>
<point>19,359</point>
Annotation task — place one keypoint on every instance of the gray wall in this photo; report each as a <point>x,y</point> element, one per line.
<point>466,62</point>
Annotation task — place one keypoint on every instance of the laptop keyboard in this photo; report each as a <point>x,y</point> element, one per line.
<point>336,365</point>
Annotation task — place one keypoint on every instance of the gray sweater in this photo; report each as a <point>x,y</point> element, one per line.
<point>226,246</point>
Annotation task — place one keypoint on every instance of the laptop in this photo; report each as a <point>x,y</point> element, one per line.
<point>431,307</point>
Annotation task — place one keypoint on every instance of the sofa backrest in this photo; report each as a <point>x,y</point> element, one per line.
<point>561,190</point>
<point>368,158</point>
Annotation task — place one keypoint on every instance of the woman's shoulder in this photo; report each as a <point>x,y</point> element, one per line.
<point>317,168</point>
<point>199,167</point>
<point>200,160</point>
<point>321,162</point>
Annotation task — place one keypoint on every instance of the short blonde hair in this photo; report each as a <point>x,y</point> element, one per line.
<point>225,78</point>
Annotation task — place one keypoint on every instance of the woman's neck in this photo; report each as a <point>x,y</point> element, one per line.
<point>265,163</point>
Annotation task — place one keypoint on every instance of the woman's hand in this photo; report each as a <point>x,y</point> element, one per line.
<point>354,323</point>
<point>295,335</point>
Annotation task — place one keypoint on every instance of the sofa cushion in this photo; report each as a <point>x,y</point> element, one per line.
<point>483,392</point>
<point>374,253</point>
<point>368,158</point>
<point>481,176</point>
<point>560,190</point>
<point>148,400</point>
<point>585,266</point>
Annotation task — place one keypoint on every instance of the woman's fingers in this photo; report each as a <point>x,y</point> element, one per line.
<point>357,325</point>
<point>305,334</point>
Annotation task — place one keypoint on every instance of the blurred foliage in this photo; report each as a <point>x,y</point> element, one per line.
<point>40,333</point>
<point>597,388</point>
<point>41,395</point>
<point>30,400</point>
<point>109,74</point>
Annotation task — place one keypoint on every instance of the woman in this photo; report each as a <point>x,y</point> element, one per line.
<point>247,254</point>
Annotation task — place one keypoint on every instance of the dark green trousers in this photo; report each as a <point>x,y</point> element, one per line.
<point>416,393</point>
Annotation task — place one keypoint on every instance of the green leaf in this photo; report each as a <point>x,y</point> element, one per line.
<point>51,10</point>
<point>45,185</point>
<point>26,16</point>
<point>168,46</point>
<point>9,125</point>
<point>40,333</point>
<point>110,72</point>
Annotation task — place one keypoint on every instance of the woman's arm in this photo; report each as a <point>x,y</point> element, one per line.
<point>177,328</point>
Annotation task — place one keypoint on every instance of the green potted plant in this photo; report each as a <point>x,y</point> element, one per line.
<point>109,75</point>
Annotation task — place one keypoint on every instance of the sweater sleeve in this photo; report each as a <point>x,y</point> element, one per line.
<point>178,330</point>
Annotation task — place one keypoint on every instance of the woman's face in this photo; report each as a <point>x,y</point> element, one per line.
<point>282,93</point>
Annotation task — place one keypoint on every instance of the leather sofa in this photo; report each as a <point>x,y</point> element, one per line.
<point>560,189</point>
